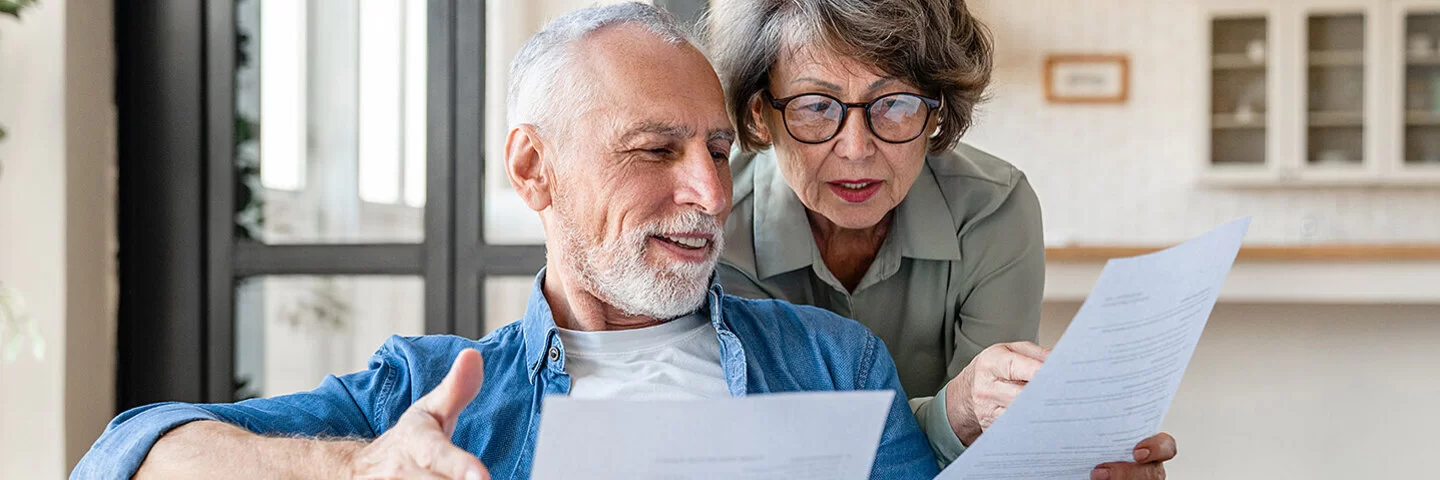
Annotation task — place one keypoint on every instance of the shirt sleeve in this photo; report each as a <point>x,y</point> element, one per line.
<point>930,412</point>
<point>356,405</point>
<point>902,452</point>
<point>1005,253</point>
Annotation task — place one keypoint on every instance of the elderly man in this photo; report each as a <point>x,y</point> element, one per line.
<point>628,169</point>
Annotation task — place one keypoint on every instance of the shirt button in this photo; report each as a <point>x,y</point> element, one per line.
<point>554,354</point>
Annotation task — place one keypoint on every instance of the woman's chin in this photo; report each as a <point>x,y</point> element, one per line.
<point>854,217</point>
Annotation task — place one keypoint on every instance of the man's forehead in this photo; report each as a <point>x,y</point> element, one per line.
<point>645,86</point>
<point>630,62</point>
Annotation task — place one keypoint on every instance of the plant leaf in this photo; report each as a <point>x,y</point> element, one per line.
<point>13,7</point>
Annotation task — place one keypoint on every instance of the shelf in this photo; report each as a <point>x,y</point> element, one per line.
<point>1382,275</point>
<point>1268,180</point>
<point>1347,165</point>
<point>1422,60</point>
<point>1414,177</point>
<point>1226,121</point>
<point>1422,118</point>
<point>1337,59</point>
<point>1271,253</point>
<point>1336,119</point>
<point>1235,61</point>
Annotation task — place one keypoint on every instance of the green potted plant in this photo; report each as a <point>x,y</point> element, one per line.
<point>16,326</point>
<point>13,7</point>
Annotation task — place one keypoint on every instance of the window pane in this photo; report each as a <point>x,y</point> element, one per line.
<point>291,331</point>
<point>330,121</point>
<point>505,300</point>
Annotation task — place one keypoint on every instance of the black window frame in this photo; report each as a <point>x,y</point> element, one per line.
<point>179,259</point>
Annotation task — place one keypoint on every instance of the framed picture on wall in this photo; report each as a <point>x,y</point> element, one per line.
<point>1073,78</point>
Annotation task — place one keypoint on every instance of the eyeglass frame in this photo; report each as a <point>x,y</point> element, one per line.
<point>781,103</point>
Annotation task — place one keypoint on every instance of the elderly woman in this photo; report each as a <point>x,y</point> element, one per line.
<point>853,193</point>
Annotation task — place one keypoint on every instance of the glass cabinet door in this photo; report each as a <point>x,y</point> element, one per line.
<point>1422,89</point>
<point>1335,94</point>
<point>1239,76</point>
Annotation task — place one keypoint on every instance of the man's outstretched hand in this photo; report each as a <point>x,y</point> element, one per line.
<point>418,446</point>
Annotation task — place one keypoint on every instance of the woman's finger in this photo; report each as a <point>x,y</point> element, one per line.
<point>1128,471</point>
<point>1029,349</point>
<point>1159,448</point>
<point>1014,367</point>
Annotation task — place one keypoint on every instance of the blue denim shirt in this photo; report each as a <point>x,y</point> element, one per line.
<point>765,346</point>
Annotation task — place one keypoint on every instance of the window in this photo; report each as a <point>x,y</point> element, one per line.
<point>337,152</point>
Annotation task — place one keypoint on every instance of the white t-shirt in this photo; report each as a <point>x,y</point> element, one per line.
<point>679,359</point>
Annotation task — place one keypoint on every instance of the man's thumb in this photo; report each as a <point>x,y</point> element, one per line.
<point>457,389</point>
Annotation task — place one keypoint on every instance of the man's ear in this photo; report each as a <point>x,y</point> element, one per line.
<point>757,119</point>
<point>526,166</point>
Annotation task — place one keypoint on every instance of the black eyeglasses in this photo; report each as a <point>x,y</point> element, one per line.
<point>817,117</point>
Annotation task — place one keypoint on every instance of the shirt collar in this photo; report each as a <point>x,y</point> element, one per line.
<point>538,327</point>
<point>783,241</point>
<point>923,229</point>
<point>541,334</point>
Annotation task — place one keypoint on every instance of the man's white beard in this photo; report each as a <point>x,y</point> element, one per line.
<point>617,273</point>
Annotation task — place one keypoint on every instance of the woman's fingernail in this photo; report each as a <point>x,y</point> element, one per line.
<point>472,475</point>
<point>1142,454</point>
<point>1100,474</point>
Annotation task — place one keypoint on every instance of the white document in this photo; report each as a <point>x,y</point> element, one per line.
<point>816,435</point>
<point>1112,376</point>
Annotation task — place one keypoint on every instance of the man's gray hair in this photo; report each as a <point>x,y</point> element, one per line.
<point>539,87</point>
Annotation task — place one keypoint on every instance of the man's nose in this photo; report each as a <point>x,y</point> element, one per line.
<point>704,182</point>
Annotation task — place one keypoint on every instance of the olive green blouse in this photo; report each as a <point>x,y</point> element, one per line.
<point>963,267</point>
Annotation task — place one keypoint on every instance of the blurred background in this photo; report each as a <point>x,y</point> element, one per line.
<point>153,247</point>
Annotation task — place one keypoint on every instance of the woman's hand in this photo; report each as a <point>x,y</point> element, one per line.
<point>982,391</point>
<point>1150,457</point>
<point>985,388</point>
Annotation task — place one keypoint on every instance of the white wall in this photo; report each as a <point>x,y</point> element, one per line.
<point>32,216</point>
<point>1128,174</point>
<point>1304,392</point>
<point>56,231</point>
